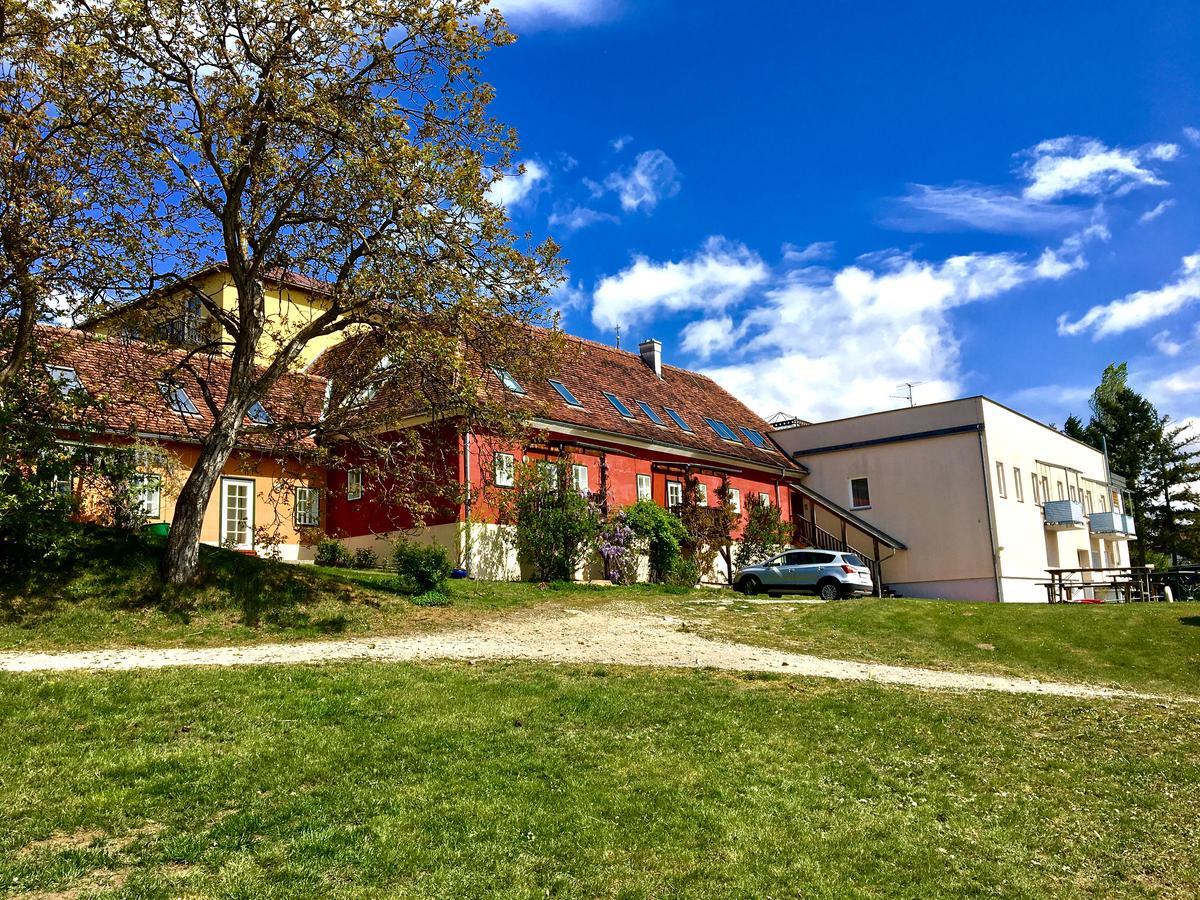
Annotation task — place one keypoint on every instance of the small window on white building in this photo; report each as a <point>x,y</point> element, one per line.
<point>1018,488</point>
<point>354,484</point>
<point>308,507</point>
<point>702,495</point>
<point>579,474</point>
<point>860,493</point>
<point>1037,493</point>
<point>1074,494</point>
<point>505,469</point>
<point>735,499</point>
<point>1001,487</point>
<point>643,487</point>
<point>148,493</point>
<point>1061,493</point>
<point>1045,489</point>
<point>674,494</point>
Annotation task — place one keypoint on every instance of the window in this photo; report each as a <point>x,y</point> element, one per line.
<point>1061,495</point>
<point>735,500</point>
<point>618,405</point>
<point>1074,494</point>
<point>1037,494</point>
<point>565,393</point>
<point>257,414</point>
<point>1087,503</point>
<point>354,484</point>
<point>505,465</point>
<point>65,378</point>
<point>860,493</point>
<point>549,471</point>
<point>643,487</point>
<point>677,420</point>
<point>1018,487</point>
<point>62,485</point>
<point>308,506</point>
<point>508,381</point>
<point>1001,486</point>
<point>1045,489</point>
<point>723,431</point>
<point>674,492</point>
<point>177,399</point>
<point>764,498</point>
<point>755,437</point>
<point>702,495</point>
<point>651,414</point>
<point>148,494</point>
<point>579,474</point>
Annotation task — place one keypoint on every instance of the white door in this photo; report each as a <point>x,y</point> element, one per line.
<point>237,513</point>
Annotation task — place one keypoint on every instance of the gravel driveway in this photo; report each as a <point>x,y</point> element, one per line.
<point>607,637</point>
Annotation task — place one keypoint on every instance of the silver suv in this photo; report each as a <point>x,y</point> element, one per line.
<point>829,574</point>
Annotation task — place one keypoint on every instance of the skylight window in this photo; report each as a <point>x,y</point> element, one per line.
<point>257,414</point>
<point>508,381</point>
<point>65,378</point>
<point>650,414</point>
<point>755,437</point>
<point>618,405</point>
<point>565,393</point>
<point>722,430</point>
<point>677,420</point>
<point>177,399</point>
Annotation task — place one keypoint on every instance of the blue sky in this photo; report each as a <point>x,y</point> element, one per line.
<point>816,202</point>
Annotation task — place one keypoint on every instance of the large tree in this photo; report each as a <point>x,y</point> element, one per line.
<point>344,142</point>
<point>1159,460</point>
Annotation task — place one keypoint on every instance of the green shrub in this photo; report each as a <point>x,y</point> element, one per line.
<point>332,553</point>
<point>431,598</point>
<point>556,525</point>
<point>365,558</point>
<point>683,574</point>
<point>421,567</point>
<point>765,535</point>
<point>660,535</point>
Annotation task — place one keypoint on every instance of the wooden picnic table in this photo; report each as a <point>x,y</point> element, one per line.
<point>1123,580</point>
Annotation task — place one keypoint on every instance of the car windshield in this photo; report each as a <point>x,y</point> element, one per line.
<point>852,560</point>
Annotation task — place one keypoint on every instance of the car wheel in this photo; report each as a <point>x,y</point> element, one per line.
<point>829,590</point>
<point>750,585</point>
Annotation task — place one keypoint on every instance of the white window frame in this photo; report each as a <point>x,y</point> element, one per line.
<point>65,378</point>
<point>177,399</point>
<point>227,483</point>
<point>1018,486</point>
<point>764,498</point>
<point>645,487</point>
<point>307,507</point>
<point>504,470</point>
<point>63,487</point>
<point>1001,483</point>
<point>735,499</point>
<point>354,484</point>
<point>850,485</point>
<point>150,493</point>
<point>579,477</point>
<point>674,494</point>
<point>701,494</point>
<point>1037,488</point>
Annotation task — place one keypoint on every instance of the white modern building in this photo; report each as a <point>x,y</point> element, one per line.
<point>983,499</point>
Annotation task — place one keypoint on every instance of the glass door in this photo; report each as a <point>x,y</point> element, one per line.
<point>237,513</point>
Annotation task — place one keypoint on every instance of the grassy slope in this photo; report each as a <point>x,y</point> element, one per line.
<point>1152,646</point>
<point>519,780</point>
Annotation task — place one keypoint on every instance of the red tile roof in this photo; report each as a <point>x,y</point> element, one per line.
<point>123,376</point>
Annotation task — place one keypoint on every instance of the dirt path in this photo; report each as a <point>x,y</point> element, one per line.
<point>569,636</point>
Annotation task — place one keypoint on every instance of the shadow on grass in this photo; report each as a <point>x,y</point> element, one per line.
<point>1190,620</point>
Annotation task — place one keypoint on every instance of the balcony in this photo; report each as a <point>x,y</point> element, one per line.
<point>1113,525</point>
<point>1064,515</point>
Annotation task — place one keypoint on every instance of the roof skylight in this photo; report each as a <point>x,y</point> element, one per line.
<point>565,393</point>
<point>507,380</point>
<point>677,420</point>
<point>755,437</point>
<point>177,399</point>
<point>722,430</point>
<point>650,413</point>
<point>65,378</point>
<point>257,414</point>
<point>618,405</point>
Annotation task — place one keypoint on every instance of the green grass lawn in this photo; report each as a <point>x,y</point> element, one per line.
<point>521,780</point>
<point>1143,646</point>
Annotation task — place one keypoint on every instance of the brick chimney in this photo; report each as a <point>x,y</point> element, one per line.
<point>651,351</point>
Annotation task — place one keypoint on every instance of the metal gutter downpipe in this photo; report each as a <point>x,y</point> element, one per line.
<point>467,500</point>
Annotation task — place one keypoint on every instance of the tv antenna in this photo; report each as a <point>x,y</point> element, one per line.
<point>907,388</point>
<point>618,330</point>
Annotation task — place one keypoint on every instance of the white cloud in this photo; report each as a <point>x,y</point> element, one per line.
<point>1151,214</point>
<point>534,13</point>
<point>705,337</point>
<point>980,207</point>
<point>718,276</point>
<point>569,296</point>
<point>1192,134</point>
<point>1139,308</point>
<point>620,143</point>
<point>512,190</point>
<point>574,219</point>
<point>833,343</point>
<point>817,251</point>
<point>653,177</point>
<point>1072,165</point>
<point>1165,344</point>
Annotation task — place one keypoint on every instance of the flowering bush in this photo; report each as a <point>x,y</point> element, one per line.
<point>617,551</point>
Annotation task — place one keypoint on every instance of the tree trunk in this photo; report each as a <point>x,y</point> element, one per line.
<point>181,565</point>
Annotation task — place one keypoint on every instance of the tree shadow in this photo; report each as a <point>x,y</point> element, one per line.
<point>1190,620</point>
